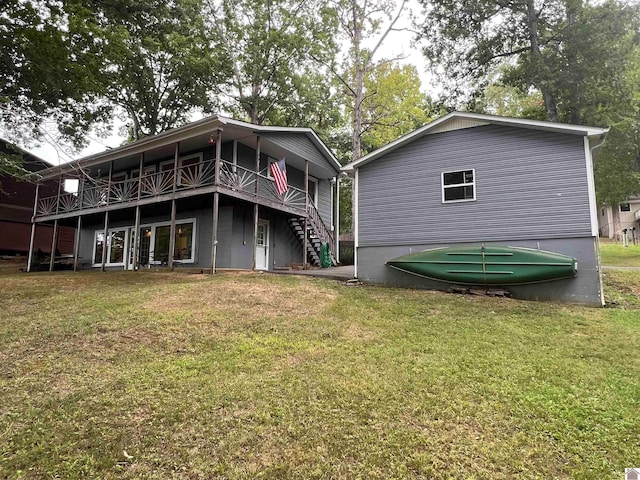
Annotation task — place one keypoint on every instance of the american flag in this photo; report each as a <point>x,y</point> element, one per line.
<point>279,174</point>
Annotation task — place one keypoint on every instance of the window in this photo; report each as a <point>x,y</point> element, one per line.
<point>458,186</point>
<point>116,247</point>
<point>625,207</point>
<point>183,248</point>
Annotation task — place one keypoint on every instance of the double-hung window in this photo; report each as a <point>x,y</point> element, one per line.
<point>459,186</point>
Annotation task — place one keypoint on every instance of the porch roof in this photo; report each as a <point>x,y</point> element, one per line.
<point>297,144</point>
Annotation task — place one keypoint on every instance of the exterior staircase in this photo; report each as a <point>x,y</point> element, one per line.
<point>316,237</point>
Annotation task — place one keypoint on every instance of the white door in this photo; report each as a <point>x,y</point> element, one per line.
<point>132,246</point>
<point>262,245</point>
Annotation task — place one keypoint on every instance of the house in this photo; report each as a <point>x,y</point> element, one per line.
<point>200,196</point>
<point>612,221</point>
<point>469,179</point>
<point>16,209</point>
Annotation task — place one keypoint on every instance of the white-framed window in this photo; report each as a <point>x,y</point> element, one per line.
<point>459,186</point>
<point>116,245</point>
<point>625,207</point>
<point>184,250</point>
<point>146,170</point>
<point>156,247</point>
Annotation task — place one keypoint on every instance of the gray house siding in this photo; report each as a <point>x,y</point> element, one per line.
<point>531,190</point>
<point>301,146</point>
<point>529,183</point>
<point>235,235</point>
<point>585,288</point>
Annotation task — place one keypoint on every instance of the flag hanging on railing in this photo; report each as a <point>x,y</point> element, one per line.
<point>279,174</point>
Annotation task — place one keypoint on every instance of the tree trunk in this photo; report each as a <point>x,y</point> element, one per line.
<point>359,68</point>
<point>536,57</point>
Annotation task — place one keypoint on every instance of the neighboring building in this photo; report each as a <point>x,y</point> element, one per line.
<point>198,196</point>
<point>472,179</point>
<point>613,220</point>
<point>16,209</point>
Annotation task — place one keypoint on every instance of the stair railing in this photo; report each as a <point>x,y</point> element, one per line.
<point>321,230</point>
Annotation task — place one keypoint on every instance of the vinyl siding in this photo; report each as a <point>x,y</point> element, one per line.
<point>303,147</point>
<point>529,184</point>
<point>585,288</point>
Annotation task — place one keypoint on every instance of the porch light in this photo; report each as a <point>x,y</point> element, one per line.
<point>212,141</point>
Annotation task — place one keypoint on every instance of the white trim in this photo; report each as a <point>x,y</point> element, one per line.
<point>129,228</point>
<point>179,221</point>
<point>107,244</point>
<point>493,119</point>
<point>354,216</point>
<point>267,224</point>
<point>443,187</point>
<point>593,207</point>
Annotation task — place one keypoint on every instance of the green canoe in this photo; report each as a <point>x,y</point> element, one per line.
<point>487,265</point>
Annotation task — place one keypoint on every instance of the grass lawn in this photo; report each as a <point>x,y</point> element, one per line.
<point>616,255</point>
<point>158,375</point>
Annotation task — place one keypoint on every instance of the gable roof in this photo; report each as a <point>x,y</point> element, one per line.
<point>460,120</point>
<point>190,130</point>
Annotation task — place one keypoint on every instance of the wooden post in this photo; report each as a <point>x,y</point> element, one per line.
<point>255,205</point>
<point>53,244</point>
<point>172,230</point>
<point>105,242</point>
<point>76,244</point>
<point>33,228</point>
<point>306,211</point>
<point>54,239</point>
<point>136,226</point>
<point>216,202</point>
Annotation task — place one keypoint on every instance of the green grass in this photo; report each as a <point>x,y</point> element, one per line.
<point>153,375</point>
<point>614,254</point>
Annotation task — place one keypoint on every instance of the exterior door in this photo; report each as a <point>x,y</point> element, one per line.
<point>262,245</point>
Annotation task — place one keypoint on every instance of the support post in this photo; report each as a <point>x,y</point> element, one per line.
<point>216,202</point>
<point>76,244</point>
<point>306,211</point>
<point>54,242</point>
<point>255,205</point>
<point>136,227</point>
<point>105,241</point>
<point>33,228</point>
<point>172,230</point>
<point>54,237</point>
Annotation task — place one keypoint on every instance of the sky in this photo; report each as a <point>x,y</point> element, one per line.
<point>398,44</point>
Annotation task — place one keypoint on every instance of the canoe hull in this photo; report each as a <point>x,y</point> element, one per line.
<point>487,265</point>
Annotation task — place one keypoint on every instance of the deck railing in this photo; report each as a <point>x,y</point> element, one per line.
<point>96,193</point>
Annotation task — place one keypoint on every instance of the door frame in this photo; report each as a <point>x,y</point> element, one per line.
<point>267,244</point>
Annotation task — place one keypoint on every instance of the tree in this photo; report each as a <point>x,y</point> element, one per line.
<point>47,71</point>
<point>272,47</point>
<point>393,105</point>
<point>565,49</point>
<point>157,65</point>
<point>362,22</point>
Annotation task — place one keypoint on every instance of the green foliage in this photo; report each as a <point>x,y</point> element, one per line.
<point>393,105</point>
<point>274,51</point>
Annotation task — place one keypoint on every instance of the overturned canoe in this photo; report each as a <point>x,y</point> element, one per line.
<point>487,265</point>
